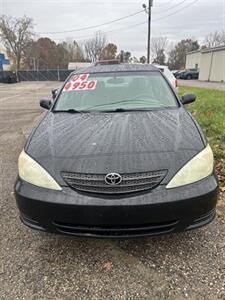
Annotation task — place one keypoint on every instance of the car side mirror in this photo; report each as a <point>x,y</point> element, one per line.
<point>54,93</point>
<point>188,98</point>
<point>46,104</point>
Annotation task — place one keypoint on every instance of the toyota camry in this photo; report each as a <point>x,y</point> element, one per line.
<point>116,155</point>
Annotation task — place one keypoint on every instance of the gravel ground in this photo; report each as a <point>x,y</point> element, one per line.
<point>203,84</point>
<point>36,265</point>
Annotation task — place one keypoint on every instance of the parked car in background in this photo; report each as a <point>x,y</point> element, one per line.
<point>189,74</point>
<point>176,73</point>
<point>169,75</point>
<point>8,77</point>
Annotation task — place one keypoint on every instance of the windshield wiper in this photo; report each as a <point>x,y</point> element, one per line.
<point>124,109</point>
<point>116,110</point>
<point>71,111</point>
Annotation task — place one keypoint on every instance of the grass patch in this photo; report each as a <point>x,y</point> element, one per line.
<point>209,111</point>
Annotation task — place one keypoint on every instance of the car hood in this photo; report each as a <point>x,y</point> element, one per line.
<point>126,142</point>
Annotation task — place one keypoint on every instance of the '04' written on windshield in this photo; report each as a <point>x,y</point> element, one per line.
<point>79,82</point>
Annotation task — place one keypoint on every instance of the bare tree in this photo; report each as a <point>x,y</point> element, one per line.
<point>215,39</point>
<point>158,47</point>
<point>74,49</point>
<point>94,46</point>
<point>124,57</point>
<point>15,34</point>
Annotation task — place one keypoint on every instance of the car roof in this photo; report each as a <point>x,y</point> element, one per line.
<point>116,68</point>
<point>162,66</point>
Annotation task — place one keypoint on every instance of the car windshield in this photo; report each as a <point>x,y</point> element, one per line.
<point>115,91</point>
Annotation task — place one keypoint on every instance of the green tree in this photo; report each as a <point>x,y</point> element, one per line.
<point>109,52</point>
<point>177,56</point>
<point>143,59</point>
<point>62,57</point>
<point>124,56</point>
<point>45,54</point>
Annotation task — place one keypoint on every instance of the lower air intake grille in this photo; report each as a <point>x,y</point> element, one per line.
<point>116,231</point>
<point>131,182</point>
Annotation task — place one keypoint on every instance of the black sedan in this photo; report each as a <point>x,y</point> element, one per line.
<point>188,74</point>
<point>116,155</point>
<point>8,77</point>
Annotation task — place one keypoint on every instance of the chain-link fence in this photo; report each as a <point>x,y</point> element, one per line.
<point>37,75</point>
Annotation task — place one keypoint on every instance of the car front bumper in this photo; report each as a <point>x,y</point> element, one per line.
<point>156,212</point>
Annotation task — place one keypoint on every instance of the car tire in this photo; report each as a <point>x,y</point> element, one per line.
<point>189,77</point>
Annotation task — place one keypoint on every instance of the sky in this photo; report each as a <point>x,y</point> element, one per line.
<point>174,19</point>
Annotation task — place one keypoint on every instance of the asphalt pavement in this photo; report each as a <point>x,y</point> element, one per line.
<point>220,86</point>
<point>37,265</point>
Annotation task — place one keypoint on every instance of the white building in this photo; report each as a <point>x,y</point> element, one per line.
<point>210,62</point>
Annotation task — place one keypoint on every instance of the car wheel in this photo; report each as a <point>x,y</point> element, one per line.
<point>189,77</point>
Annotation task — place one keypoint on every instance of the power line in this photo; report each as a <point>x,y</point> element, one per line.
<point>111,31</point>
<point>177,11</point>
<point>163,4</point>
<point>172,7</point>
<point>142,23</point>
<point>113,21</point>
<point>95,26</point>
<point>122,28</point>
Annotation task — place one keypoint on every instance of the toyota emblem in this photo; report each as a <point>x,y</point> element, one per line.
<point>113,178</point>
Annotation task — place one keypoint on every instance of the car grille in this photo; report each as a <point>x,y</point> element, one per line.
<point>132,182</point>
<point>116,231</point>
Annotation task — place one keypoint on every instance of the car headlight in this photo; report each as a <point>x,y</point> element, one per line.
<point>32,172</point>
<point>196,169</point>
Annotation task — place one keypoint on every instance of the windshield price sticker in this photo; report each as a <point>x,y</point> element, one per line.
<point>80,77</point>
<point>80,86</point>
<point>79,83</point>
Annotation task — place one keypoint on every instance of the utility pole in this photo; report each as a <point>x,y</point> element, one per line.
<point>149,12</point>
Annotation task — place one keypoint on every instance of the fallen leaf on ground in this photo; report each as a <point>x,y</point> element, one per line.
<point>108,265</point>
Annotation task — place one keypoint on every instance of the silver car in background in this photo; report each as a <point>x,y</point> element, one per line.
<point>169,75</point>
